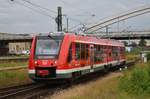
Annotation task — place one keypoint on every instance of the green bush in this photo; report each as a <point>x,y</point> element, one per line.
<point>137,82</point>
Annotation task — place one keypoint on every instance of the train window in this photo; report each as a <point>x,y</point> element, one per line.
<point>104,49</point>
<point>115,52</point>
<point>122,50</point>
<point>87,51</point>
<point>70,53</point>
<point>95,53</point>
<point>82,47</point>
<point>47,47</point>
<point>110,51</point>
<point>98,52</point>
<point>78,54</point>
<point>110,54</point>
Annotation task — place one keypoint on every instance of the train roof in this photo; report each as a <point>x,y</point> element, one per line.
<point>95,40</point>
<point>83,38</point>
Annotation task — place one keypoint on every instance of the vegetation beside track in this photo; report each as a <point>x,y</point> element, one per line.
<point>137,81</point>
<point>113,86</point>
<point>134,54</point>
<point>12,64</point>
<point>102,88</point>
<point>11,61</point>
<point>13,78</point>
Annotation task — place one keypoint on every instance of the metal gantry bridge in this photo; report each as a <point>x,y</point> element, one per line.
<point>115,19</point>
<point>123,35</point>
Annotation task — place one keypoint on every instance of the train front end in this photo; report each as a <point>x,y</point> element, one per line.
<point>43,58</point>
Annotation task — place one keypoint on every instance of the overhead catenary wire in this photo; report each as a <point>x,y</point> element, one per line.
<point>44,10</point>
<point>71,6</point>
<point>39,6</point>
<point>84,23</point>
<point>35,10</point>
<point>36,5</point>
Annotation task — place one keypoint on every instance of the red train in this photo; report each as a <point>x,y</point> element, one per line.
<point>65,56</point>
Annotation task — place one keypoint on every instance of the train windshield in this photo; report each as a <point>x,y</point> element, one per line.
<point>47,47</point>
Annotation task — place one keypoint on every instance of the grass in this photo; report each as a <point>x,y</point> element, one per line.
<point>100,89</point>
<point>137,81</point>
<point>13,78</point>
<point>131,57</point>
<point>14,56</point>
<point>134,54</point>
<point>113,87</point>
<point>13,63</point>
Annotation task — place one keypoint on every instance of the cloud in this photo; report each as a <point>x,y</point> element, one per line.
<point>16,18</point>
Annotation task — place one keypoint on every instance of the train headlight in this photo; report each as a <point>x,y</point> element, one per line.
<point>35,62</point>
<point>55,62</point>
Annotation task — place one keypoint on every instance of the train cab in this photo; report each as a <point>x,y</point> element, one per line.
<point>44,56</point>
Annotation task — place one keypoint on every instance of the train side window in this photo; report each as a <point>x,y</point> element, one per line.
<point>78,54</point>
<point>70,53</point>
<point>87,51</point>
<point>98,53</point>
<point>82,49</point>
<point>115,53</point>
<point>95,53</point>
<point>122,50</point>
<point>110,51</point>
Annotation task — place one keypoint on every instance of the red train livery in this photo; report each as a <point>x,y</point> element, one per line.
<point>65,56</point>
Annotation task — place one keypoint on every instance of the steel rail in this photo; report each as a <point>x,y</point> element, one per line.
<point>18,90</point>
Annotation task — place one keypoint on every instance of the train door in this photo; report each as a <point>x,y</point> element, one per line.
<point>91,57</point>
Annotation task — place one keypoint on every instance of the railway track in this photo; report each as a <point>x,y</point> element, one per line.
<point>39,91</point>
<point>14,92</point>
<point>30,91</point>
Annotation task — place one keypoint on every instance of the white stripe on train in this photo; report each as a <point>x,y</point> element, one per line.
<point>32,71</point>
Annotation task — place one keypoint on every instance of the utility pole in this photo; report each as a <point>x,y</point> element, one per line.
<point>59,20</point>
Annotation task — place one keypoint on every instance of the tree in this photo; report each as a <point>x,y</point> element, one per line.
<point>142,43</point>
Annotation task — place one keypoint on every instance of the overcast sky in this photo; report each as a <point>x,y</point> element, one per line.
<point>19,16</point>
